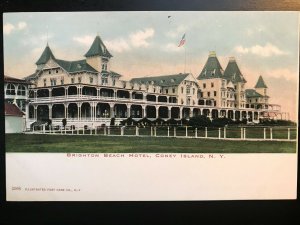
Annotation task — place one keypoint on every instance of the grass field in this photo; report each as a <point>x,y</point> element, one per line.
<point>92,144</point>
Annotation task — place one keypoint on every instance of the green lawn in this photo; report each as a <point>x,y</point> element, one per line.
<point>92,143</point>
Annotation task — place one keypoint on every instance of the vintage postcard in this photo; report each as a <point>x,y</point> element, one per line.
<point>129,106</point>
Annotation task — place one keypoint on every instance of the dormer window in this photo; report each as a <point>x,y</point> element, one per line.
<point>45,82</point>
<point>91,80</point>
<point>56,71</point>
<point>79,79</point>
<point>172,80</point>
<point>49,71</point>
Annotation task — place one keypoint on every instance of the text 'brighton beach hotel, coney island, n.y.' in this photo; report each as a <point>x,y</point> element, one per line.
<point>88,93</point>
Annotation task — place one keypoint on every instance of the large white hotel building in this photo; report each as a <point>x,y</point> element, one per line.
<point>88,93</point>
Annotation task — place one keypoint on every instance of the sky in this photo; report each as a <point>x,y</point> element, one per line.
<point>146,44</point>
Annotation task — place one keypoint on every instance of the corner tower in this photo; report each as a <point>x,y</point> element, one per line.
<point>212,68</point>
<point>261,86</point>
<point>98,56</point>
<point>44,58</point>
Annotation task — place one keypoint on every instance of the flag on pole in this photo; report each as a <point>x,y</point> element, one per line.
<point>182,41</point>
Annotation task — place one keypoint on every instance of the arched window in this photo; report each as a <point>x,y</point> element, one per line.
<point>10,90</point>
<point>22,90</point>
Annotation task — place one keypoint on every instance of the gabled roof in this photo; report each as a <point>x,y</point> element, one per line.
<point>8,79</point>
<point>46,55</point>
<point>75,66</point>
<point>252,93</point>
<point>165,80</point>
<point>260,83</point>
<point>212,68</point>
<point>31,76</point>
<point>12,110</point>
<point>98,49</point>
<point>232,72</point>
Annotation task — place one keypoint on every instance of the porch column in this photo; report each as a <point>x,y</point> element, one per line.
<point>128,110</point>
<point>35,94</point>
<point>35,112</point>
<point>169,112</point>
<point>66,110</point>
<point>180,112</point>
<point>66,92</point>
<point>144,112</point>
<point>79,111</point>
<point>157,111</point>
<point>130,95</point>
<point>112,113</point>
<point>50,111</point>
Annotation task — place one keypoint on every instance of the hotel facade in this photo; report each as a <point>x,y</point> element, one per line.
<point>89,93</point>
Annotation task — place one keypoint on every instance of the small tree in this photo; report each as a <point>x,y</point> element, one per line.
<point>64,122</point>
<point>199,121</point>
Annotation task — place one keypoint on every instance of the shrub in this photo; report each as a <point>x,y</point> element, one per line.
<point>199,121</point>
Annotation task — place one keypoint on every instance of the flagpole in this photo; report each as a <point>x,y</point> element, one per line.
<point>184,59</point>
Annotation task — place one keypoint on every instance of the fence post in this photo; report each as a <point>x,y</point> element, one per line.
<point>244,133</point>
<point>224,132</point>
<point>72,130</point>
<point>271,133</point>
<point>264,133</point>
<point>168,131</point>
<point>241,133</point>
<point>43,128</point>
<point>186,131</point>
<point>83,130</point>
<point>78,130</point>
<point>65,130</point>
<point>122,131</point>
<point>206,132</point>
<point>151,131</point>
<point>104,130</point>
<point>136,131</point>
<point>155,131</point>
<point>96,130</point>
<point>174,131</point>
<point>196,133</point>
<point>108,130</point>
<point>289,133</point>
<point>219,132</point>
<point>91,131</point>
<point>60,130</point>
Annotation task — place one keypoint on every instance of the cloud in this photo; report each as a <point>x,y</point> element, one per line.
<point>134,40</point>
<point>36,40</point>
<point>263,51</point>
<point>177,32</point>
<point>172,47</point>
<point>139,38</point>
<point>8,27</point>
<point>86,40</point>
<point>117,45</point>
<point>22,25</point>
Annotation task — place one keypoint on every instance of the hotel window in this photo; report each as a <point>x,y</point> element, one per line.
<point>49,71</point>
<point>204,85</point>
<point>212,84</point>
<point>72,80</point>
<point>208,94</point>
<point>173,90</point>
<point>181,90</point>
<point>21,90</point>
<point>193,91</point>
<point>62,82</point>
<point>215,93</point>
<point>91,80</point>
<point>79,79</point>
<point>167,91</point>
<point>188,90</point>
<point>113,82</point>
<point>45,82</point>
<point>53,82</point>
<point>154,90</point>
<point>56,71</point>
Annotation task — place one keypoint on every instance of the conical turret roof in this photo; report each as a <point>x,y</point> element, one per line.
<point>46,55</point>
<point>260,83</point>
<point>212,68</point>
<point>232,72</point>
<point>98,49</point>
